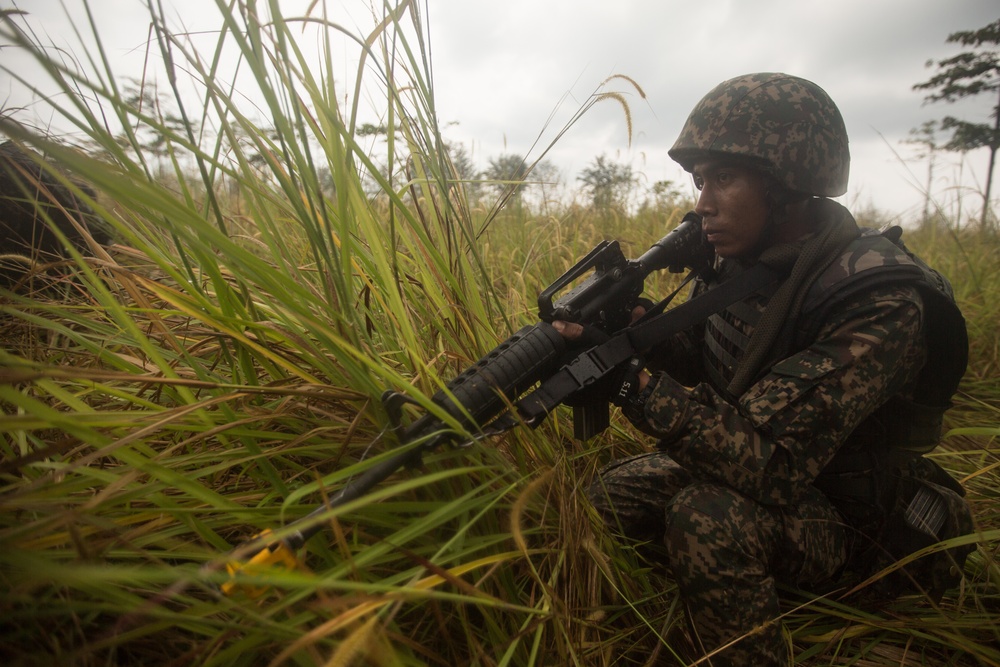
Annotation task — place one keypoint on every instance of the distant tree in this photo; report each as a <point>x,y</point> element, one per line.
<point>668,195</point>
<point>151,138</point>
<point>965,75</point>
<point>371,130</point>
<point>506,174</point>
<point>465,169</point>
<point>608,183</point>
<point>545,177</point>
<point>510,176</point>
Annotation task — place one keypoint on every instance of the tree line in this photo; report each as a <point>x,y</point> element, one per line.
<point>971,73</point>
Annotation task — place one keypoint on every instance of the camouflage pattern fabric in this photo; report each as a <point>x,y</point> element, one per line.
<point>787,124</point>
<point>724,550</point>
<point>30,197</point>
<point>773,443</point>
<point>731,493</point>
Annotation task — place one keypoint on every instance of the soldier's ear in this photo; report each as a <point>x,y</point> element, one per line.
<point>784,203</point>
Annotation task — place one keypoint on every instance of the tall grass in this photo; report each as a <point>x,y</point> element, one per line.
<point>220,371</point>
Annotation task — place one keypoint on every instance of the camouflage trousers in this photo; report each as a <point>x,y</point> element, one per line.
<point>725,551</point>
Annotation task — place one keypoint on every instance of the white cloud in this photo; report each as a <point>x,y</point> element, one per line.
<point>867,55</point>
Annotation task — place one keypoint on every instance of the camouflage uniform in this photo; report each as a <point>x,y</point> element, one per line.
<point>732,492</point>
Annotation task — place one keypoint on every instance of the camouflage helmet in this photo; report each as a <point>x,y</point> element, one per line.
<point>787,124</point>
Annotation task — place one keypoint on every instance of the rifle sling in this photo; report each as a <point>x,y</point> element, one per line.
<point>594,364</point>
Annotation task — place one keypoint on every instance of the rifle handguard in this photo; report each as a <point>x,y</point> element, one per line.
<point>485,389</point>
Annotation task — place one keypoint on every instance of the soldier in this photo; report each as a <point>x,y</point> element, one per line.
<point>31,199</point>
<point>776,457</point>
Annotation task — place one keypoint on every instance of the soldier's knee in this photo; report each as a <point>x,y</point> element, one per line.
<point>630,494</point>
<point>597,494</point>
<point>712,519</point>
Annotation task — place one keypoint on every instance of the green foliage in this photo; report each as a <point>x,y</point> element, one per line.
<point>609,184</point>
<point>219,371</point>
<point>506,174</point>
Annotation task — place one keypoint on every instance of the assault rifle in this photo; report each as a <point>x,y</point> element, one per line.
<point>533,372</point>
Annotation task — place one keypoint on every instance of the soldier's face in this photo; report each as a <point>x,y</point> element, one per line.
<point>733,204</point>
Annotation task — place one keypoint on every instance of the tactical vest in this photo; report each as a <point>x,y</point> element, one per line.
<point>912,426</point>
<point>909,426</point>
<point>727,334</point>
<point>878,480</point>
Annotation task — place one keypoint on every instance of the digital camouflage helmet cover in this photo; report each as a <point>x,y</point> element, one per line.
<point>786,124</point>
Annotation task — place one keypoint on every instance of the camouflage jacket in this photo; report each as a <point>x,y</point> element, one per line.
<point>773,441</point>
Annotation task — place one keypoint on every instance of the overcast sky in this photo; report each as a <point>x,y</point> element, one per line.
<point>503,69</point>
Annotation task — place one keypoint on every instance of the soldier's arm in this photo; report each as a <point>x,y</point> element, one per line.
<point>773,443</point>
